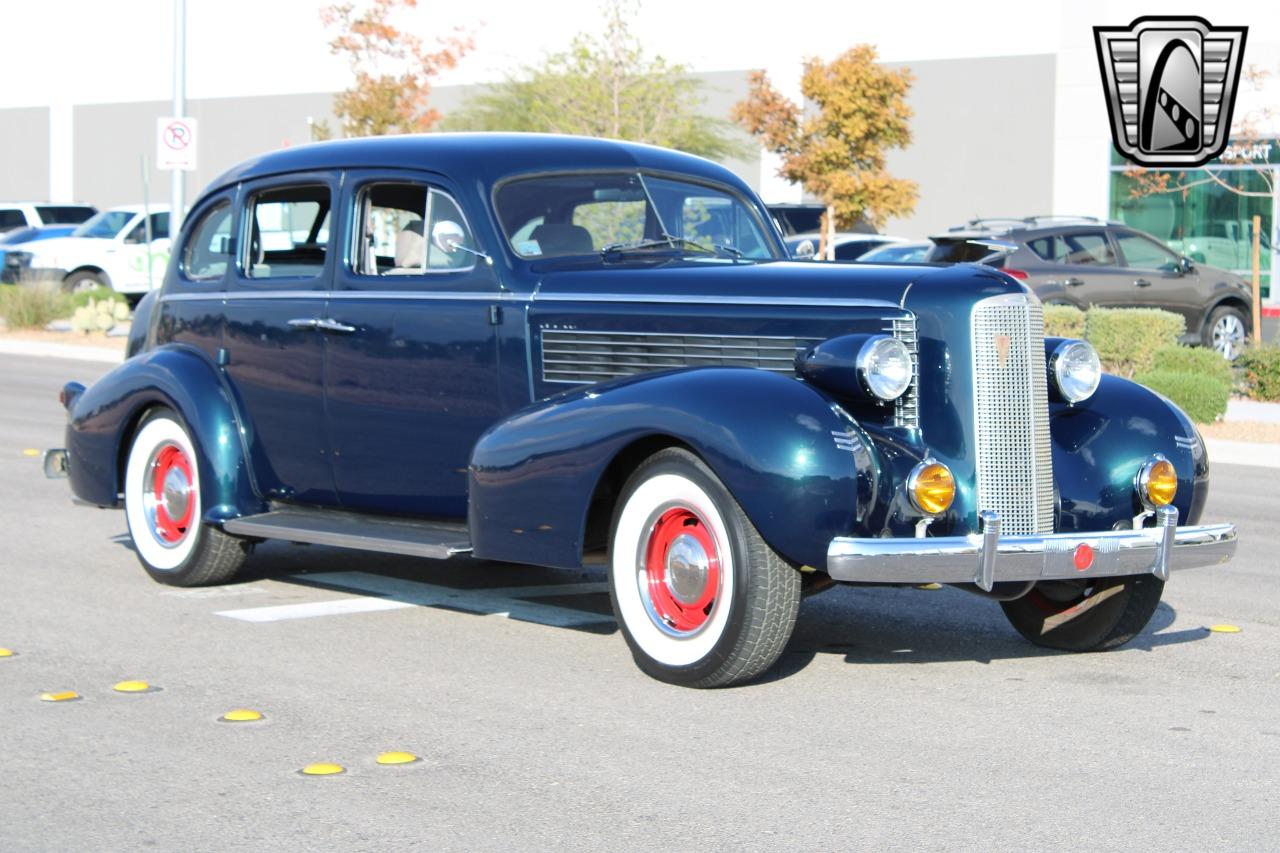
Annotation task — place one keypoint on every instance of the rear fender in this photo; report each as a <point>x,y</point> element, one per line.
<point>102,420</point>
<point>771,439</point>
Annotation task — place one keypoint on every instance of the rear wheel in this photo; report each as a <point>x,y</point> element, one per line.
<point>162,508</point>
<point>1227,331</point>
<point>1085,616</point>
<point>701,599</point>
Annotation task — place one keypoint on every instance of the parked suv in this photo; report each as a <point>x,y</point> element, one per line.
<point>1084,261</point>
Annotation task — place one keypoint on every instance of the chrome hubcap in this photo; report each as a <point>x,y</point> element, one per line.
<point>176,495</point>
<point>687,569</point>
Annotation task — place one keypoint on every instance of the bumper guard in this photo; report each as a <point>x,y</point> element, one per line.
<point>986,558</point>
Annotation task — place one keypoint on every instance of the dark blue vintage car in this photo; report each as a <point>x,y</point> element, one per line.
<point>554,350</point>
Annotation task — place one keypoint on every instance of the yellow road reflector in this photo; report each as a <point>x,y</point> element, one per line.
<point>60,696</point>
<point>6,653</point>
<point>30,451</point>
<point>322,768</point>
<point>133,687</point>
<point>397,758</point>
<point>930,586</point>
<point>1225,629</point>
<point>241,715</point>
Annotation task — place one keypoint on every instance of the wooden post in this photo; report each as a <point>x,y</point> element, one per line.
<point>1257,280</point>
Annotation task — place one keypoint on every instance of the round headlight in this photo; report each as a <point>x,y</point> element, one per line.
<point>884,366</point>
<point>1075,370</point>
<point>1157,482</point>
<point>931,487</point>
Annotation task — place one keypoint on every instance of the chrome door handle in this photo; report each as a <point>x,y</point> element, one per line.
<point>1141,282</point>
<point>304,323</point>
<point>333,325</point>
<point>1074,282</point>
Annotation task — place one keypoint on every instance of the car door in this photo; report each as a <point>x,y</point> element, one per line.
<point>273,343</point>
<point>412,382</point>
<point>1158,278</point>
<point>138,263</point>
<point>1086,268</point>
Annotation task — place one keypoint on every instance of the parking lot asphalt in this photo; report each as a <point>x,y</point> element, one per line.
<point>896,719</point>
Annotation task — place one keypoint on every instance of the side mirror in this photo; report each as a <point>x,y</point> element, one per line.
<point>448,236</point>
<point>1184,265</point>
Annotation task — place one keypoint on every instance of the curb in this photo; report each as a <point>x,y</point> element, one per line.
<point>1252,453</point>
<point>1252,410</point>
<point>68,351</point>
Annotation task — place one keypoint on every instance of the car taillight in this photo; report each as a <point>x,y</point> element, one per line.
<point>1020,275</point>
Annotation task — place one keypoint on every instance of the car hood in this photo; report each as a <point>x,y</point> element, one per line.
<point>51,251</point>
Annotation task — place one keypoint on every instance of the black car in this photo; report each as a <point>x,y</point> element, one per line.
<point>1083,261</point>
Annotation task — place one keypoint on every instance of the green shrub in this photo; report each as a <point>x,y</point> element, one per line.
<point>25,307</point>
<point>1063,321</point>
<point>1199,360</point>
<point>1127,338</point>
<point>1203,398</point>
<point>1262,372</point>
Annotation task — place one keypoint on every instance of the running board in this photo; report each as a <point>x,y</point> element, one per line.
<point>437,540</point>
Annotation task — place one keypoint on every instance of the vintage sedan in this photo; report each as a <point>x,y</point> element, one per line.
<point>556,351</point>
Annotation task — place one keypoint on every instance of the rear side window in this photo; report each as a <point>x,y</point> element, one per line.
<point>64,214</point>
<point>1088,248</point>
<point>11,219</point>
<point>208,249</point>
<point>288,232</point>
<point>1050,249</point>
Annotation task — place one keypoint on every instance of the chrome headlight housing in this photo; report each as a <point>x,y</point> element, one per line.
<point>1075,370</point>
<point>884,367</point>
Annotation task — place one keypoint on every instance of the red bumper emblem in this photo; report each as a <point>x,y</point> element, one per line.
<point>1084,556</point>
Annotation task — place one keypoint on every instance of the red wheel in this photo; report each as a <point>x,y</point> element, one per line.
<point>682,571</point>
<point>171,507</point>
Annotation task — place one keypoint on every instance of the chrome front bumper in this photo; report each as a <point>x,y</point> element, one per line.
<point>986,558</point>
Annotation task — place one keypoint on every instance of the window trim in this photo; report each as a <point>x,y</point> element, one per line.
<point>351,264</point>
<point>217,202</point>
<point>247,208</point>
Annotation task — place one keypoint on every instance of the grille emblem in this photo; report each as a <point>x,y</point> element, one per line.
<point>1002,342</point>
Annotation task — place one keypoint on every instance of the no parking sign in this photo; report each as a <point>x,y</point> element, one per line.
<point>176,143</point>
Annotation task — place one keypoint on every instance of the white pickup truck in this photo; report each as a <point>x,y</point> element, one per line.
<point>111,249</point>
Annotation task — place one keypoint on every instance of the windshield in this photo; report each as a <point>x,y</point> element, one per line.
<point>106,224</point>
<point>584,214</point>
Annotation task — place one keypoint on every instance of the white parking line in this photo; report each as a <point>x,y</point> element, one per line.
<point>395,593</point>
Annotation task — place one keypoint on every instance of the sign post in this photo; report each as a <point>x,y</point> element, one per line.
<point>1257,280</point>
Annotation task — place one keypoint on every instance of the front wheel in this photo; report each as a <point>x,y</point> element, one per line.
<point>702,600</point>
<point>1085,616</point>
<point>1228,331</point>
<point>162,508</point>
<point>83,280</point>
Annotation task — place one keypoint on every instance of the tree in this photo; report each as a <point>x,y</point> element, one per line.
<point>605,87</point>
<point>393,69</point>
<point>837,149</point>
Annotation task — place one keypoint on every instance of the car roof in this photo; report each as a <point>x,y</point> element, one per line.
<point>45,204</point>
<point>488,156</point>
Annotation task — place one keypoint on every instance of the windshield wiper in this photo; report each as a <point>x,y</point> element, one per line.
<point>668,241</point>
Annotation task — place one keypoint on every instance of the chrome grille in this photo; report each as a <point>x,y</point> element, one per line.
<point>1011,406</point>
<point>578,357</point>
<point>906,412</point>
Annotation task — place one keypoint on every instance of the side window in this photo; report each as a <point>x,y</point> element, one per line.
<point>1145,254</point>
<point>1050,249</point>
<point>159,229</point>
<point>11,219</point>
<point>397,222</point>
<point>288,232</point>
<point>1089,248</point>
<point>208,247</point>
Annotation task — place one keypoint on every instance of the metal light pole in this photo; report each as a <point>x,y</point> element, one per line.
<point>176,202</point>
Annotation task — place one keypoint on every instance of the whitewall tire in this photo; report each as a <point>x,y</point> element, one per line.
<point>163,508</point>
<point>701,599</point>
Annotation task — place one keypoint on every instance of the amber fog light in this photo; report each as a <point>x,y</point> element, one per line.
<point>931,487</point>
<point>1157,482</point>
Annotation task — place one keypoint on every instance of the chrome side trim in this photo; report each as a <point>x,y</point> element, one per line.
<point>235,296</point>
<point>655,298</point>
<point>679,299</point>
<point>987,558</point>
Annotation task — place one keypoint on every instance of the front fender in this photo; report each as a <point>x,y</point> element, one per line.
<point>1099,445</point>
<point>183,379</point>
<point>771,440</point>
